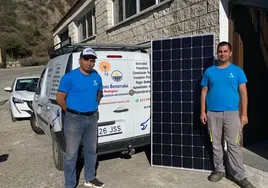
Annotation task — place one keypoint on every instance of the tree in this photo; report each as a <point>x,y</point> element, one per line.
<point>14,45</point>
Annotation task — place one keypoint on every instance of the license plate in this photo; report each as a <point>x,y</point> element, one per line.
<point>109,130</point>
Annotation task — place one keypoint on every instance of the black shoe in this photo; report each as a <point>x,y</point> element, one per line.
<point>216,176</point>
<point>244,183</point>
<point>94,183</point>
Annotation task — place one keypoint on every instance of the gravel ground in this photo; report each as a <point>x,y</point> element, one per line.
<point>29,162</point>
<point>30,165</point>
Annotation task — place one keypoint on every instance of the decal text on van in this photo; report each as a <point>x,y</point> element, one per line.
<point>115,86</point>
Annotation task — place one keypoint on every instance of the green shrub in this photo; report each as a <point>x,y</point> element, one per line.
<point>32,62</point>
<point>2,66</point>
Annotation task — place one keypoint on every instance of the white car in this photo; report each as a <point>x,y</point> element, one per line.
<point>21,95</point>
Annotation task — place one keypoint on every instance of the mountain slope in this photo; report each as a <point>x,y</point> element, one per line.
<point>25,26</point>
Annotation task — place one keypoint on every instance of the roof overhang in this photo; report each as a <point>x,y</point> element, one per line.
<point>71,15</point>
<point>252,3</point>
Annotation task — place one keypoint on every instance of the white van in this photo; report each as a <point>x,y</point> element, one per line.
<point>124,111</point>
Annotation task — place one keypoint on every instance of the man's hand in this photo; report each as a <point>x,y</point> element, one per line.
<point>99,96</point>
<point>244,120</point>
<point>60,98</point>
<point>244,104</point>
<point>203,117</point>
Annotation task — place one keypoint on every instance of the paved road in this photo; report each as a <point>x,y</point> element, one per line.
<point>8,75</point>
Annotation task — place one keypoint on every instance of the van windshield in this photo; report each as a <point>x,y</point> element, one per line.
<point>23,84</point>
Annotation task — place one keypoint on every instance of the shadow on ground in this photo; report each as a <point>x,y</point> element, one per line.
<point>80,161</point>
<point>23,119</point>
<point>3,102</point>
<point>3,158</point>
<point>259,148</point>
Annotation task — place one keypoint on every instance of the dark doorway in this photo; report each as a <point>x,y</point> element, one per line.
<point>251,27</point>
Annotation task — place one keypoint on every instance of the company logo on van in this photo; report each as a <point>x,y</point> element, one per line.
<point>105,67</point>
<point>117,76</point>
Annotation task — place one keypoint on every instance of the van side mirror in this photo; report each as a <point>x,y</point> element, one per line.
<point>8,89</point>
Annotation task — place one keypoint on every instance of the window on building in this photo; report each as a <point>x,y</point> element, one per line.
<point>86,26</point>
<point>64,36</point>
<point>124,9</point>
<point>130,7</point>
<point>118,11</point>
<point>82,28</point>
<point>146,4</point>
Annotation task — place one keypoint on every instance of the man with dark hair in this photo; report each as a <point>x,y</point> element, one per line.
<point>225,44</point>
<point>78,95</point>
<point>223,86</point>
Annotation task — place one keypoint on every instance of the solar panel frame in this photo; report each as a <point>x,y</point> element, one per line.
<point>180,96</point>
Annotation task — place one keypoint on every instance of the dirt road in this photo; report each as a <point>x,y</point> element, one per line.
<point>26,159</point>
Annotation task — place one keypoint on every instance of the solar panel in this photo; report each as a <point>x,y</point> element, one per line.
<point>178,138</point>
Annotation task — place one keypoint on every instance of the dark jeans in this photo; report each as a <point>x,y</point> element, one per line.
<point>77,128</point>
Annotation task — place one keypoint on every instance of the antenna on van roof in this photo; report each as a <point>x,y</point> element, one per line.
<point>68,47</point>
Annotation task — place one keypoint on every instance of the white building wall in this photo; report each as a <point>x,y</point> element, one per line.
<point>224,20</point>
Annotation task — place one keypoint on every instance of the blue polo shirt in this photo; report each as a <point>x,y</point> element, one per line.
<point>81,90</point>
<point>223,87</point>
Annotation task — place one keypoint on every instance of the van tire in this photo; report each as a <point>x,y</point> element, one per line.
<point>58,154</point>
<point>34,125</point>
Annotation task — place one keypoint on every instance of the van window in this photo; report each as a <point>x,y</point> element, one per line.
<point>49,78</point>
<point>69,64</point>
<point>55,81</point>
<point>40,82</point>
<point>60,65</point>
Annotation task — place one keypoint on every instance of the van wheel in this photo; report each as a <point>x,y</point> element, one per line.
<point>58,154</point>
<point>34,125</point>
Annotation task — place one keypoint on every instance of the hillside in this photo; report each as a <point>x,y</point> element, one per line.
<point>25,26</point>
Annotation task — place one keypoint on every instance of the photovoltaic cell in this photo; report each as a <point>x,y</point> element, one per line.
<point>178,138</point>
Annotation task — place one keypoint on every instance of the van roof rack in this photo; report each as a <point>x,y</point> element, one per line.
<point>66,47</point>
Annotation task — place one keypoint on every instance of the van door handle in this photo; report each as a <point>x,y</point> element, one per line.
<point>40,105</point>
<point>120,110</point>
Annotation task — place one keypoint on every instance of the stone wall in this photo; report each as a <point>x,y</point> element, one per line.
<point>176,18</point>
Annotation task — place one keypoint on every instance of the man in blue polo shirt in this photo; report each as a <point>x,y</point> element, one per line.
<point>79,95</point>
<point>223,87</point>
